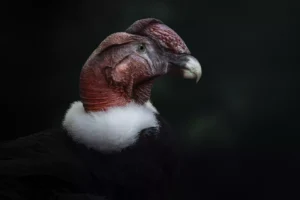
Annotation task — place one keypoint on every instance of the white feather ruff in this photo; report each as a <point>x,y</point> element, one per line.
<point>110,130</point>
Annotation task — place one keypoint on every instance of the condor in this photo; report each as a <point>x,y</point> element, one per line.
<point>113,144</point>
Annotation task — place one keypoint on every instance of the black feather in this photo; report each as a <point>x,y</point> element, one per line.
<point>49,165</point>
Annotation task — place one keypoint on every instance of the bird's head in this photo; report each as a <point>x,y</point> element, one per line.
<point>123,67</point>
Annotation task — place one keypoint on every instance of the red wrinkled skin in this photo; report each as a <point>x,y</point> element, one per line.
<point>112,77</point>
<point>161,33</point>
<point>168,38</point>
<point>115,74</point>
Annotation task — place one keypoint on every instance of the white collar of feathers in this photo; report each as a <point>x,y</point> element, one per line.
<point>111,130</point>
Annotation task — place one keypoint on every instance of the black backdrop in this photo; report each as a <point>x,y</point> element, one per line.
<point>246,101</point>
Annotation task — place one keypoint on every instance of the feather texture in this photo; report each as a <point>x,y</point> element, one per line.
<point>111,130</point>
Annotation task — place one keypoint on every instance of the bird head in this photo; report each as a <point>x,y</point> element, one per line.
<point>125,64</point>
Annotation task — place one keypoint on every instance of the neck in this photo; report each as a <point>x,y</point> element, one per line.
<point>100,96</point>
<point>100,99</point>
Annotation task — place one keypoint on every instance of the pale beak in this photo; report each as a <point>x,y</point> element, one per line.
<point>187,66</point>
<point>192,69</point>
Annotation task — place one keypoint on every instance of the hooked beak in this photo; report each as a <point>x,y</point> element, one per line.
<point>188,66</point>
<point>192,69</point>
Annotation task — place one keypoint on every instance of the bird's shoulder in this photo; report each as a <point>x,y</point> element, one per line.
<point>39,165</point>
<point>49,142</point>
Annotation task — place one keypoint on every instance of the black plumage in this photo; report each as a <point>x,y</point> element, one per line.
<point>50,165</point>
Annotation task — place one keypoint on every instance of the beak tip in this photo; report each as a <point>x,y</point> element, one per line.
<point>199,75</point>
<point>193,69</point>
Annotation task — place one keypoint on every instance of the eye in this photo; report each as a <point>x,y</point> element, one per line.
<point>141,48</point>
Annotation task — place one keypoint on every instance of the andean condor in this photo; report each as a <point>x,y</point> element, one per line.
<point>113,142</point>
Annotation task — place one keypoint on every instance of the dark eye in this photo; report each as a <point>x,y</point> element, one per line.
<point>141,48</point>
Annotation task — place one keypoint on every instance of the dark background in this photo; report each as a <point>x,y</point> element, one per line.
<point>239,124</point>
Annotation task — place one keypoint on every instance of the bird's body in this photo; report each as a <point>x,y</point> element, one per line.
<point>113,142</point>
<point>50,165</point>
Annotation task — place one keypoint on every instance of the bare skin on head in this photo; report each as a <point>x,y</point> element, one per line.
<point>122,69</point>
